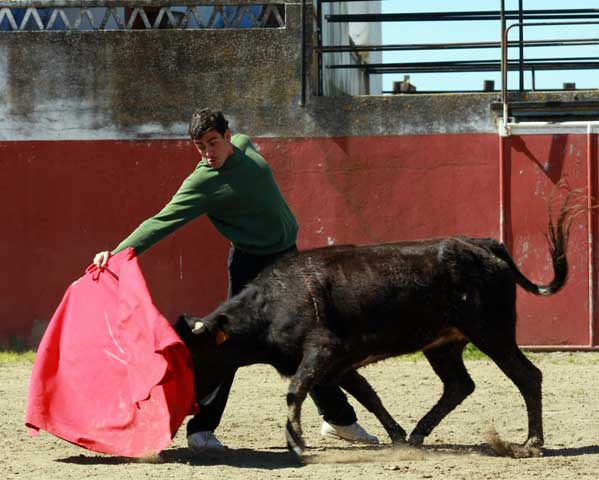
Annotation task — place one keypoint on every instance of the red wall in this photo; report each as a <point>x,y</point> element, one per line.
<point>65,200</point>
<point>534,165</point>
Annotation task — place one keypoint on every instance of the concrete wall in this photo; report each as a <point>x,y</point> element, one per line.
<point>93,141</point>
<point>142,84</point>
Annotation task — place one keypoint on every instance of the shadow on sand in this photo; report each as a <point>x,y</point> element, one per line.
<point>240,458</point>
<point>279,457</point>
<point>485,449</point>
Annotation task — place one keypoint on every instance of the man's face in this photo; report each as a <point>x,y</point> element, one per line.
<point>214,147</point>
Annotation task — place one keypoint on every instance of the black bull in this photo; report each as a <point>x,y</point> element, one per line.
<point>321,314</point>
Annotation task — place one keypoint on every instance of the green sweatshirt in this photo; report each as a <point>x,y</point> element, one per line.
<point>241,199</point>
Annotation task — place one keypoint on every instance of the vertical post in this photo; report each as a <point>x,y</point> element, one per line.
<point>502,142</point>
<point>590,234</point>
<point>521,43</point>
<point>319,42</point>
<point>503,66</point>
<point>303,50</point>
<point>502,138</point>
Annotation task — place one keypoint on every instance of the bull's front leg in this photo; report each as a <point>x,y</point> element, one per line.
<point>357,386</point>
<point>310,371</point>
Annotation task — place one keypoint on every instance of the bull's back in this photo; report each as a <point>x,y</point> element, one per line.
<point>400,295</point>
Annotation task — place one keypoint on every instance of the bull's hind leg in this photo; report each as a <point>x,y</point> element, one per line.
<point>447,363</point>
<point>504,351</point>
<point>357,386</point>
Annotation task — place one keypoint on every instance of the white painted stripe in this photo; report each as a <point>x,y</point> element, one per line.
<point>65,119</point>
<point>115,357</point>
<point>111,335</point>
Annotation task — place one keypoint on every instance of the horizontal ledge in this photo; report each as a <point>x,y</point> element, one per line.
<point>545,128</point>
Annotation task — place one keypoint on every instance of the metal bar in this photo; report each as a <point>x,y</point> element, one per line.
<point>429,92</point>
<point>504,56</point>
<point>302,101</point>
<point>504,67</point>
<point>503,128</point>
<point>453,46</point>
<point>478,90</point>
<point>461,16</point>
<point>319,42</point>
<point>530,61</point>
<point>545,24</point>
<point>521,47</point>
<point>463,68</point>
<point>495,66</point>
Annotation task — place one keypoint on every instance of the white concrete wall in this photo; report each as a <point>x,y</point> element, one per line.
<point>351,81</point>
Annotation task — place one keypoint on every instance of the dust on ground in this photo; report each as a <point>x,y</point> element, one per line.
<point>253,429</point>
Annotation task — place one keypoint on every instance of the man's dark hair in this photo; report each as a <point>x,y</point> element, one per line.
<point>202,121</point>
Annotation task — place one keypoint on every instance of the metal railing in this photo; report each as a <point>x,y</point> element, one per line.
<point>532,64</point>
<point>52,15</point>
<point>521,65</point>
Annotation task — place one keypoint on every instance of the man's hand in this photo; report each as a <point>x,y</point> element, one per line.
<point>101,259</point>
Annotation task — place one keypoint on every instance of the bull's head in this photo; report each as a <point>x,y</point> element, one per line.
<point>238,318</point>
<point>214,324</point>
<point>220,336</point>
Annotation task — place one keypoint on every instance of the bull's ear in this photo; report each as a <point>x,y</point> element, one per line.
<point>221,337</point>
<point>221,333</point>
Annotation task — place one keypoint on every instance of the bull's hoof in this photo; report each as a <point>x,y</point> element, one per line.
<point>398,438</point>
<point>416,440</point>
<point>534,442</point>
<point>295,442</point>
<point>398,443</point>
<point>513,450</point>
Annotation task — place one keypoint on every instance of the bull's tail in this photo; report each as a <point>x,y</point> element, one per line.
<point>557,238</point>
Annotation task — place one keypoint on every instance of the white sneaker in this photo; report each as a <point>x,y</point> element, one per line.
<point>201,441</point>
<point>351,433</point>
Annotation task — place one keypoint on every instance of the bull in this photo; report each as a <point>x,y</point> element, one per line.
<point>319,315</point>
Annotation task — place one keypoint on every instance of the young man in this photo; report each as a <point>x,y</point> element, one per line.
<point>235,187</point>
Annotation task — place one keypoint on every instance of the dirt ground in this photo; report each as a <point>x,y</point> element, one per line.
<point>252,428</point>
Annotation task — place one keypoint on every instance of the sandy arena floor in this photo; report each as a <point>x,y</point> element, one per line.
<point>252,428</point>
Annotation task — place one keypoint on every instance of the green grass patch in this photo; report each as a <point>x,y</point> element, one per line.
<point>473,353</point>
<point>12,356</point>
<point>470,353</point>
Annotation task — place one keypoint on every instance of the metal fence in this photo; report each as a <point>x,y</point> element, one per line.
<point>580,16</point>
<point>42,16</point>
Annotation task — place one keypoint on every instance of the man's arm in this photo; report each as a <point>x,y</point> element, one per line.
<point>188,203</point>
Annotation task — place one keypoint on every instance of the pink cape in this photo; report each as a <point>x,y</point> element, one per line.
<point>111,375</point>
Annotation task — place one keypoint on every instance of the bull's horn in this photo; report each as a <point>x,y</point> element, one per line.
<point>199,327</point>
